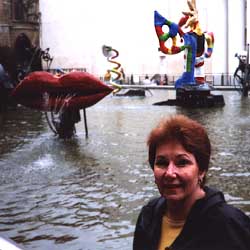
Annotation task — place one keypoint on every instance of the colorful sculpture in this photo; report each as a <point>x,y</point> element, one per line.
<point>194,44</point>
<point>187,36</point>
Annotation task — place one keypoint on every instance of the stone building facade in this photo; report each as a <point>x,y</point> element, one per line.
<point>20,37</point>
<point>19,17</point>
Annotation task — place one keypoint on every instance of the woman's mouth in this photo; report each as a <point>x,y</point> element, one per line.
<point>172,186</point>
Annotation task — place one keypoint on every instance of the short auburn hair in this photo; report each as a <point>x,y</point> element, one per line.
<point>181,129</point>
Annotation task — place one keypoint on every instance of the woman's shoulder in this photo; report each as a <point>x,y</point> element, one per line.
<point>151,214</point>
<point>219,211</point>
<point>155,203</point>
<point>215,200</point>
<point>233,214</point>
<point>234,224</point>
<point>154,207</point>
<point>224,222</point>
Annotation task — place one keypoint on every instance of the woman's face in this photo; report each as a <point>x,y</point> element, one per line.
<point>176,172</point>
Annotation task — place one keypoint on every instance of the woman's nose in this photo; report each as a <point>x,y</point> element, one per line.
<point>170,170</point>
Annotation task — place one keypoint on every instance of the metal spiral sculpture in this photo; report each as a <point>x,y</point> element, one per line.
<point>111,54</point>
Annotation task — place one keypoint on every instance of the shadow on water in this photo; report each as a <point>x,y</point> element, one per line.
<point>86,193</point>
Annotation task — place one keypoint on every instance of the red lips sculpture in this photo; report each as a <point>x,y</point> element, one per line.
<point>81,90</point>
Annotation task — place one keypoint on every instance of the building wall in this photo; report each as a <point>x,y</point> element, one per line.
<point>236,32</point>
<point>11,28</point>
<point>4,22</point>
<point>76,32</point>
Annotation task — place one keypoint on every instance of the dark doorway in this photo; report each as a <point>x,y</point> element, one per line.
<point>28,57</point>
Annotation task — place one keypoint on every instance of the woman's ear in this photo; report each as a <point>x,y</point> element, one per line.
<point>202,174</point>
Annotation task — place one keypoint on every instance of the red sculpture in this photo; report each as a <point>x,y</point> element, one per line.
<point>75,90</point>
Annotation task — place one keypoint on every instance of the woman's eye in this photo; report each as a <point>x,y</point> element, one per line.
<point>161,163</point>
<point>182,162</point>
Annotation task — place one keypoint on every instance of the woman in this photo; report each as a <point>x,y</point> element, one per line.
<point>188,215</point>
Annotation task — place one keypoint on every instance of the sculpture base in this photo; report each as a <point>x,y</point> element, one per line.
<point>195,98</point>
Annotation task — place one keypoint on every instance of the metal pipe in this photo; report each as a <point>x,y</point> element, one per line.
<point>85,123</point>
<point>227,39</point>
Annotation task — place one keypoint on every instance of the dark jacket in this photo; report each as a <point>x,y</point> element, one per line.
<point>212,224</point>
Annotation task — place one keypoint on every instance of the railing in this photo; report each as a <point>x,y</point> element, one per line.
<point>219,79</point>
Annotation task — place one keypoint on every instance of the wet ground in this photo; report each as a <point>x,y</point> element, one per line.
<point>86,193</point>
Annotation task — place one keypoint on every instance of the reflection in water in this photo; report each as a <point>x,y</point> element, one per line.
<point>86,193</point>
